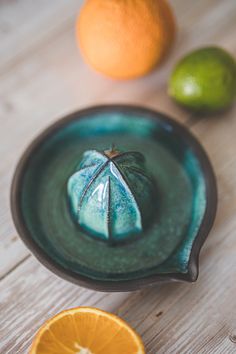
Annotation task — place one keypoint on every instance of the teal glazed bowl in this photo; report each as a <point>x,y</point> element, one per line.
<point>183,210</point>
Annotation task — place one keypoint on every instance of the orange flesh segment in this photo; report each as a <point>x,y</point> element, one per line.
<point>86,331</point>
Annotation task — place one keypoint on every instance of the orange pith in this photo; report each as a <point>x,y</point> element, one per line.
<point>86,330</point>
<point>126,38</point>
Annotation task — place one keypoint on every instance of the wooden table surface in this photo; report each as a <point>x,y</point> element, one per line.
<point>42,77</point>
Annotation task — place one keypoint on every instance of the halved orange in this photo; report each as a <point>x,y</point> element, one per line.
<point>86,330</point>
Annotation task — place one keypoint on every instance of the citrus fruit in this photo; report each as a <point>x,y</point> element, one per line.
<point>86,330</point>
<point>204,80</point>
<point>125,39</point>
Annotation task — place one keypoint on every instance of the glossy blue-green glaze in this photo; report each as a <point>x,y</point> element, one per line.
<point>110,194</point>
<point>181,214</point>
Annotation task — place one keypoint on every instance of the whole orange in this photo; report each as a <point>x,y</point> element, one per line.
<point>125,38</point>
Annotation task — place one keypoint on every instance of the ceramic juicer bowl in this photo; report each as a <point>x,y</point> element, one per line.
<point>115,198</point>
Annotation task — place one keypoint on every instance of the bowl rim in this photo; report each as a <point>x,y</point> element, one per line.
<point>117,285</point>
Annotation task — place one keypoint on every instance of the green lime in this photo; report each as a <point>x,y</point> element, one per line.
<point>204,80</point>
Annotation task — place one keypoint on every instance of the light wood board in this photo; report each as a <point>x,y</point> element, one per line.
<point>43,77</point>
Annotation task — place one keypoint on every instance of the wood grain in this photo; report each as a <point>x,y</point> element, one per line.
<point>43,77</point>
